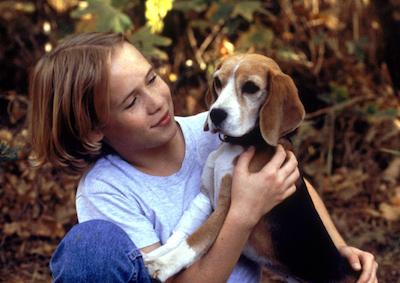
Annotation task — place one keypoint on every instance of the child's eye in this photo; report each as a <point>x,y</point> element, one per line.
<point>153,78</point>
<point>132,103</point>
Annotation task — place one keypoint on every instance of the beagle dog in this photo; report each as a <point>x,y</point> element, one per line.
<point>254,103</point>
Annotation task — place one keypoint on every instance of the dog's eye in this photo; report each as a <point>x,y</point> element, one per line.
<point>250,87</point>
<point>217,83</point>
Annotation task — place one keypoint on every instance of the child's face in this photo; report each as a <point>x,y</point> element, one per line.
<point>141,109</point>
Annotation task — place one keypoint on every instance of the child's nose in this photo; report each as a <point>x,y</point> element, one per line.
<point>154,102</point>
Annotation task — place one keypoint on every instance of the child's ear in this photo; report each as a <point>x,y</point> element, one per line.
<point>95,136</point>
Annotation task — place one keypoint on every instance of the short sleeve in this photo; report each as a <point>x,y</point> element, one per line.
<point>120,210</point>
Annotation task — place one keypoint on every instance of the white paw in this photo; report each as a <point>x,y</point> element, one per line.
<point>171,263</point>
<point>159,269</point>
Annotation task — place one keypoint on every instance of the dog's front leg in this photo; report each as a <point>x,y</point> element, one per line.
<point>172,243</point>
<point>197,244</point>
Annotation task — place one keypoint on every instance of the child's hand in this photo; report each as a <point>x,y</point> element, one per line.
<point>361,260</point>
<point>255,194</point>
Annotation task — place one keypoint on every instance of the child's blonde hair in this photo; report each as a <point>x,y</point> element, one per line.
<point>69,92</point>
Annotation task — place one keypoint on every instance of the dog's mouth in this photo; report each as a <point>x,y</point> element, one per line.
<point>216,130</point>
<point>219,130</point>
<point>251,137</point>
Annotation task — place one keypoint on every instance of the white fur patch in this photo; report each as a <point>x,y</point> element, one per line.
<point>172,262</point>
<point>176,238</point>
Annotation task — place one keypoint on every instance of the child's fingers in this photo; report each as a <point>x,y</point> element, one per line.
<point>292,178</point>
<point>289,192</point>
<point>373,278</point>
<point>351,257</point>
<point>368,265</point>
<point>277,160</point>
<point>244,160</point>
<point>290,166</point>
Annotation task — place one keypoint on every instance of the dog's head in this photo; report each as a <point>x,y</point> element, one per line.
<point>250,90</point>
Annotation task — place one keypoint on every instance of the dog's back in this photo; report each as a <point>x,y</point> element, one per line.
<point>301,242</point>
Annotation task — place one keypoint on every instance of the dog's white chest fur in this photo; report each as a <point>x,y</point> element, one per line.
<point>219,164</point>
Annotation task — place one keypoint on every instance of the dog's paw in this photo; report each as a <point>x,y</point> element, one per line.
<point>171,263</point>
<point>159,269</point>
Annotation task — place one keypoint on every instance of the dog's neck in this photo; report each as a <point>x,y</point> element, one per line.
<point>254,138</point>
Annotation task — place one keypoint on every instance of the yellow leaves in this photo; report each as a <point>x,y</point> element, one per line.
<point>62,6</point>
<point>156,10</point>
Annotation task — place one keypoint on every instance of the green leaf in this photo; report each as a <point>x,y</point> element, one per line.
<point>7,153</point>
<point>339,93</point>
<point>357,48</point>
<point>105,17</point>
<point>220,12</point>
<point>200,24</point>
<point>373,112</point>
<point>193,5</point>
<point>257,36</point>
<point>147,43</point>
<point>288,54</point>
<point>123,4</point>
<point>246,9</point>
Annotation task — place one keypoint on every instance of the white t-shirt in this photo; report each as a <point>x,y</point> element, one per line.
<point>149,207</point>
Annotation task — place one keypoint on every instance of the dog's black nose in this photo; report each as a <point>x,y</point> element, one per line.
<point>218,116</point>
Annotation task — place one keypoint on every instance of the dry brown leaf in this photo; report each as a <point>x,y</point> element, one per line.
<point>389,212</point>
<point>45,250</point>
<point>372,212</point>
<point>395,200</point>
<point>392,172</point>
<point>49,229</point>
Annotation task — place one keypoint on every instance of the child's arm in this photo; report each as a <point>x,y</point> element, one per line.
<point>325,217</point>
<point>357,258</point>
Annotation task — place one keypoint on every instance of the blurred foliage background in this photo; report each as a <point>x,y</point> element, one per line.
<point>343,56</point>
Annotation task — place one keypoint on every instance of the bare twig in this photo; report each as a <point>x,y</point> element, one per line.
<point>198,52</point>
<point>337,107</point>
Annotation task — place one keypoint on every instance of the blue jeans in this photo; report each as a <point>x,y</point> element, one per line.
<point>97,251</point>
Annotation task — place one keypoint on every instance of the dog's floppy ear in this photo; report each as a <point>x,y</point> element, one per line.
<point>210,96</point>
<point>282,111</point>
<point>209,99</point>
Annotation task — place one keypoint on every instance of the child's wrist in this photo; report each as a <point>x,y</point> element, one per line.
<point>241,218</point>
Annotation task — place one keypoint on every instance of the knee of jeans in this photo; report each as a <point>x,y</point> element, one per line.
<point>95,250</point>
